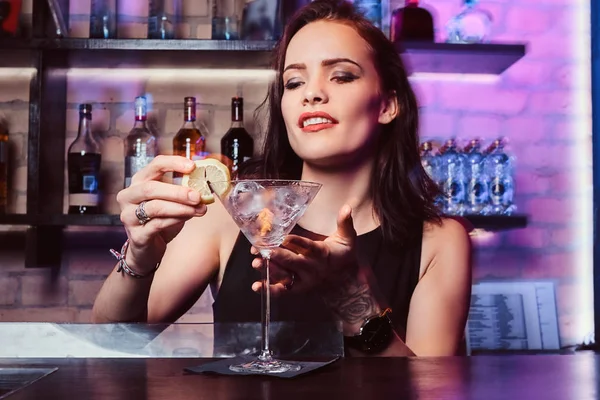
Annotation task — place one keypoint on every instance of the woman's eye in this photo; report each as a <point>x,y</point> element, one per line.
<point>292,85</point>
<point>345,78</point>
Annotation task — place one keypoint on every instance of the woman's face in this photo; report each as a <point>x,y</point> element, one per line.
<point>331,101</point>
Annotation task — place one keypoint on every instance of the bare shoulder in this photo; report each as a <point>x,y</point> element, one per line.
<point>445,243</point>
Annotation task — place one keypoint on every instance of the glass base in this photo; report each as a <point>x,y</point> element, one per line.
<point>265,367</point>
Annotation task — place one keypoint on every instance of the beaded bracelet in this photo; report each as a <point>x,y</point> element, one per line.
<point>123,267</point>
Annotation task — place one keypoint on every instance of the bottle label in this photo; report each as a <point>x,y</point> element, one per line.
<point>84,199</point>
<point>371,9</point>
<point>84,170</point>
<point>133,164</point>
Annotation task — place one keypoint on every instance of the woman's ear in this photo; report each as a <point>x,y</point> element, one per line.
<point>389,108</point>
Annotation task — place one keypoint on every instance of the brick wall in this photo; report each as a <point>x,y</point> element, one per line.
<point>538,104</point>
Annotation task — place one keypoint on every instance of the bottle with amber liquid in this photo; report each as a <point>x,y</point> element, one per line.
<point>411,23</point>
<point>3,168</point>
<point>237,144</point>
<point>190,141</point>
<point>83,159</point>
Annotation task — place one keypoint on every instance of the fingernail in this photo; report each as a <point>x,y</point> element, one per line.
<point>193,195</point>
<point>201,210</point>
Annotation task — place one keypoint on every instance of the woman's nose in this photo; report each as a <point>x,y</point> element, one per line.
<point>314,93</point>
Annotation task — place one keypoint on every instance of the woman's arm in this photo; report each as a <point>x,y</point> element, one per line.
<point>439,305</point>
<point>189,263</point>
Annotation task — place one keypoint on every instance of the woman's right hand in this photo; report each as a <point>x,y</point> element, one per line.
<point>167,205</point>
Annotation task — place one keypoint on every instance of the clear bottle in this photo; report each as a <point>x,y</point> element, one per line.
<point>429,161</point>
<point>190,141</point>
<point>471,25</point>
<point>452,170</point>
<point>140,144</point>
<point>477,198</point>
<point>163,18</point>
<point>83,160</point>
<point>411,23</point>
<point>227,19</point>
<point>3,167</point>
<point>237,144</point>
<point>103,19</point>
<point>499,168</point>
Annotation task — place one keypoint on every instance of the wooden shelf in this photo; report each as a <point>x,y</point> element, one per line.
<point>489,58</point>
<point>61,220</point>
<point>487,222</point>
<point>497,222</point>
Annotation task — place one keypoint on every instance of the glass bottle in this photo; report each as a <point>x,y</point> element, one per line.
<point>83,160</point>
<point>452,170</point>
<point>163,18</point>
<point>3,167</point>
<point>471,25</point>
<point>477,198</point>
<point>140,144</point>
<point>103,19</point>
<point>499,168</point>
<point>227,19</point>
<point>237,144</point>
<point>190,141</point>
<point>411,23</point>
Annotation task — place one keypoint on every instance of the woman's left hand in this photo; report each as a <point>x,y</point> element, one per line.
<point>302,264</point>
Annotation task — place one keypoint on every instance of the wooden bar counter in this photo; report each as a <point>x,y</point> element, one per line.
<point>565,377</point>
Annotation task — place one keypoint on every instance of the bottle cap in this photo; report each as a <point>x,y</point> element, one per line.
<point>85,108</point>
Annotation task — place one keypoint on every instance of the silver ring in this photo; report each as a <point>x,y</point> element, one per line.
<point>140,213</point>
<point>288,286</point>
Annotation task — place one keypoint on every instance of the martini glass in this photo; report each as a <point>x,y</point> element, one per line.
<point>266,210</point>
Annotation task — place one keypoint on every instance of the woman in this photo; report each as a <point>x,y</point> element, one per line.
<point>341,113</point>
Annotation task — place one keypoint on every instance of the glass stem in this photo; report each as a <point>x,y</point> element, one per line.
<point>266,354</point>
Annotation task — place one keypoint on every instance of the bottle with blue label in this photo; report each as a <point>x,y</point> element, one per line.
<point>498,166</point>
<point>477,196</point>
<point>163,18</point>
<point>452,170</point>
<point>103,19</point>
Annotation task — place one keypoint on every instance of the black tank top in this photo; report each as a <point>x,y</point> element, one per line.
<point>395,268</point>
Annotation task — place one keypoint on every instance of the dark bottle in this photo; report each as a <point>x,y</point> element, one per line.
<point>83,161</point>
<point>411,23</point>
<point>103,19</point>
<point>3,168</point>
<point>237,144</point>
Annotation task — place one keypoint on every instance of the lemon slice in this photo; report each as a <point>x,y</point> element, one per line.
<point>211,170</point>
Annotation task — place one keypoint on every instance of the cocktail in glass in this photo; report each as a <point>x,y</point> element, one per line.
<point>266,211</point>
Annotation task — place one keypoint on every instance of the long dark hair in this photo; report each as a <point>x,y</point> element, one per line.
<point>403,194</point>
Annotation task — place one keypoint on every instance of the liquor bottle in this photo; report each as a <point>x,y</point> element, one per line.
<point>498,166</point>
<point>140,145</point>
<point>452,171</point>
<point>227,19</point>
<point>470,25</point>
<point>3,168</point>
<point>237,144</point>
<point>83,161</point>
<point>477,198</point>
<point>190,141</point>
<point>411,23</point>
<point>163,18</point>
<point>429,161</point>
<point>103,19</point>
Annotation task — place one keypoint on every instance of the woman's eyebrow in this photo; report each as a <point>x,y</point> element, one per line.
<point>326,63</point>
